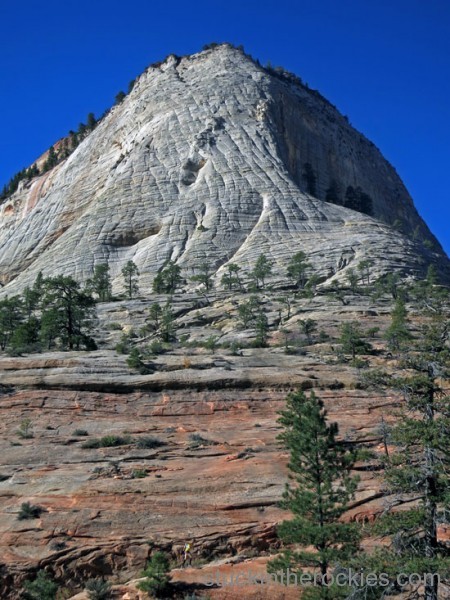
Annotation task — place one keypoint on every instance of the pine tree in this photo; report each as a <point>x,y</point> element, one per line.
<point>262,270</point>
<point>323,487</point>
<point>168,278</point>
<point>156,573</point>
<point>11,316</point>
<point>298,268</point>
<point>231,278</point>
<point>42,588</point>
<point>130,274</point>
<point>419,469</point>
<point>351,340</point>
<point>398,333</point>
<point>67,312</point>
<point>204,276</point>
<point>100,283</point>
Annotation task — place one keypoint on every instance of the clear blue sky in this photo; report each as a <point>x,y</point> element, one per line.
<point>385,64</point>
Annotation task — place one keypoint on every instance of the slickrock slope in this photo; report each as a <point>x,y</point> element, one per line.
<point>222,488</point>
<point>206,158</point>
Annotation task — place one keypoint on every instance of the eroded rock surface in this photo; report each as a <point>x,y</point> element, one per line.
<point>205,158</point>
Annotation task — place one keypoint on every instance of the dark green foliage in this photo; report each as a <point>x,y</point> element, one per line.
<point>397,334</point>
<point>11,316</point>
<point>91,121</point>
<point>134,361</point>
<point>320,493</point>
<point>108,441</point>
<point>352,279</point>
<point>308,327</point>
<point>310,179</point>
<point>100,283</point>
<point>155,314</point>
<point>29,511</point>
<point>248,311</point>
<point>67,313</point>
<point>204,276</point>
<point>149,442</point>
<point>42,588</point>
<point>420,466</point>
<point>261,330</point>
<point>168,279</point>
<point>298,268</point>
<point>52,159</point>
<point>156,573</point>
<point>211,343</point>
<point>98,589</point>
<point>80,432</point>
<point>120,97</point>
<point>13,183</point>
<point>364,267</point>
<point>231,279</point>
<point>261,270</point>
<point>167,327</point>
<point>351,340</point>
<point>130,274</point>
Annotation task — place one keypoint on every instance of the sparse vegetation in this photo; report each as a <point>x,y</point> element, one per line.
<point>29,511</point>
<point>98,589</point>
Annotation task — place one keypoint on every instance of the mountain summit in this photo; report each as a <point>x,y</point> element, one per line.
<point>212,156</point>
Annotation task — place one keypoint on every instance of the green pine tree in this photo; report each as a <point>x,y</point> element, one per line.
<point>130,274</point>
<point>100,283</point>
<point>318,496</point>
<point>156,573</point>
<point>42,588</point>
<point>261,270</point>
<point>298,268</point>
<point>67,313</point>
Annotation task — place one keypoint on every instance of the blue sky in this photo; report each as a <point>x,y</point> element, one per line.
<point>385,64</point>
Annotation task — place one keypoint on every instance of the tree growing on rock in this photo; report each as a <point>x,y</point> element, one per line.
<point>352,340</point>
<point>42,588</point>
<point>168,278</point>
<point>67,312</point>
<point>261,270</point>
<point>100,283</point>
<point>130,274</point>
<point>417,474</point>
<point>231,279</point>
<point>156,573</point>
<point>318,496</point>
<point>398,333</point>
<point>204,276</point>
<point>298,268</point>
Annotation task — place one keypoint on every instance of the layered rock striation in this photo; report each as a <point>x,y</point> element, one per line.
<point>206,158</point>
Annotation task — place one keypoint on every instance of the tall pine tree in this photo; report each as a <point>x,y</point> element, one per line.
<point>322,488</point>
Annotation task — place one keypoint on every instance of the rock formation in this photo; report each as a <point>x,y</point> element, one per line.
<point>213,156</point>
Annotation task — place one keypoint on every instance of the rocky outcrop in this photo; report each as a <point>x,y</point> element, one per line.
<point>205,158</point>
<point>216,472</point>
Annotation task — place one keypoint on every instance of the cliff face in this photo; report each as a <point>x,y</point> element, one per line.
<point>206,158</point>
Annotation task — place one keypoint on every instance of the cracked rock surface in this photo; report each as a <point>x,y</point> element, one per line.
<point>205,159</point>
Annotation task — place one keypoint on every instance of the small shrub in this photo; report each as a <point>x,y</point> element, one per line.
<point>114,327</point>
<point>139,474</point>
<point>108,441</point>
<point>42,588</point>
<point>187,363</point>
<point>29,511</point>
<point>98,589</point>
<point>156,347</point>
<point>197,440</point>
<point>25,430</point>
<point>149,442</point>
<point>80,432</point>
